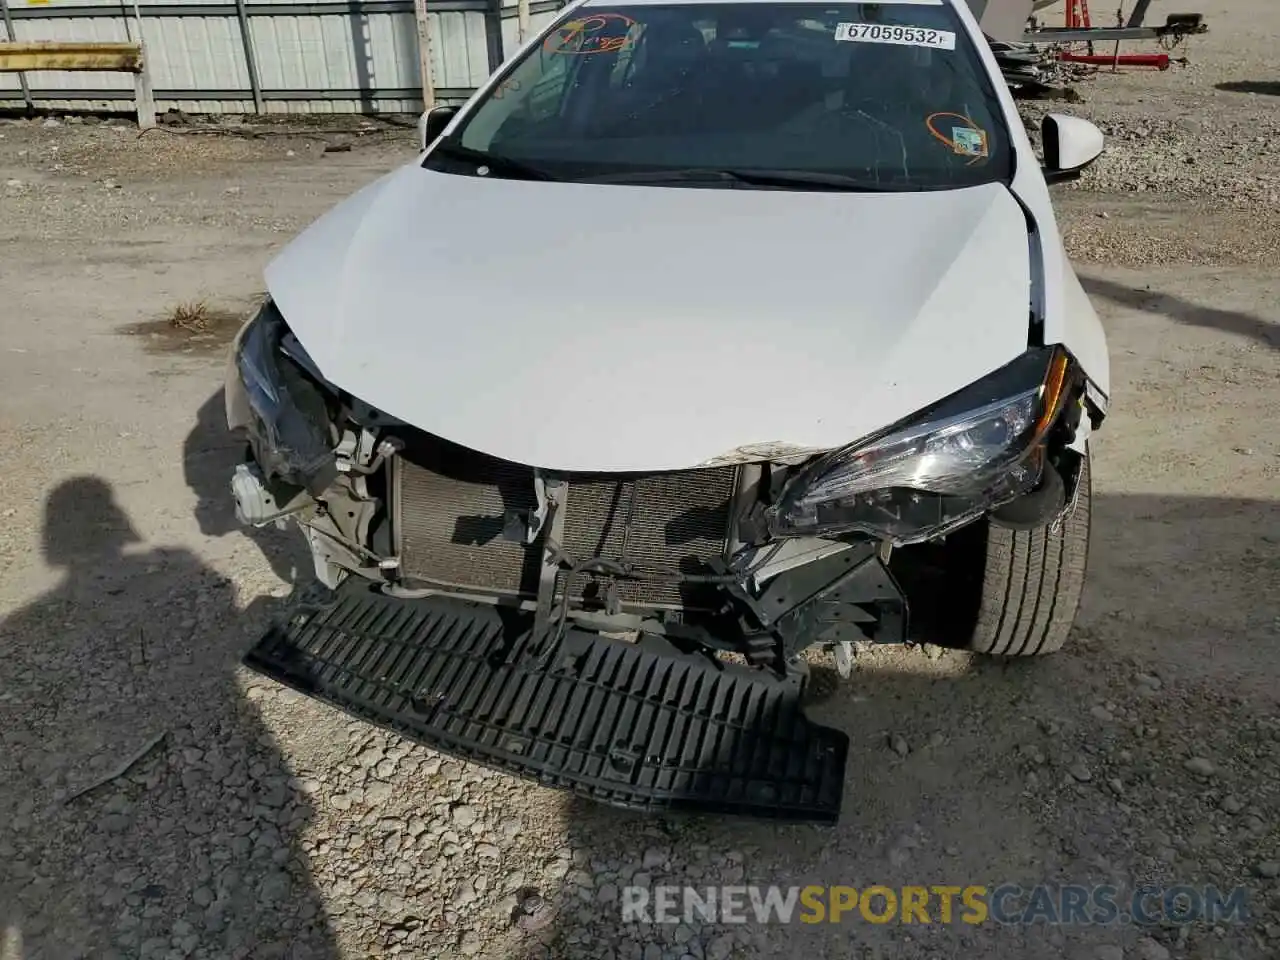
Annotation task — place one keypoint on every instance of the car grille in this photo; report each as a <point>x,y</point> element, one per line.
<point>449,505</point>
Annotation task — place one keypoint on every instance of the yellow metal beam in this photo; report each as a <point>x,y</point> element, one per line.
<point>47,55</point>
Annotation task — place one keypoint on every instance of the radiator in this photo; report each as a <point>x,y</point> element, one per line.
<point>448,506</point>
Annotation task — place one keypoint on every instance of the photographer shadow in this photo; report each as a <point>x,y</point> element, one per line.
<point>153,813</point>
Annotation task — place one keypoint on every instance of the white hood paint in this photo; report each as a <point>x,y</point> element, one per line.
<point>591,327</point>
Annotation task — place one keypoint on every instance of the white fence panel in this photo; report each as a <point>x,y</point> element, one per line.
<point>328,56</point>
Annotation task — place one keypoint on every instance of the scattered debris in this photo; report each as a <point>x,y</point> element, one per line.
<point>124,767</point>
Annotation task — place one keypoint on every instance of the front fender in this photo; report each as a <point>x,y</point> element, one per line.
<point>1067,314</point>
<point>1081,331</point>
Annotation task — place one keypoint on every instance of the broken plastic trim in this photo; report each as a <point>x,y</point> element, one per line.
<point>615,722</point>
<point>850,595</point>
<point>1098,400</point>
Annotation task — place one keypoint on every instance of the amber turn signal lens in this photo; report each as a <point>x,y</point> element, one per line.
<point>1055,382</point>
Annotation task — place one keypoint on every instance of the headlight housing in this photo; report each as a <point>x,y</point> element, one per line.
<point>968,454</point>
<point>287,421</point>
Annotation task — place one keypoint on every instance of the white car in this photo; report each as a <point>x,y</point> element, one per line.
<point>694,335</point>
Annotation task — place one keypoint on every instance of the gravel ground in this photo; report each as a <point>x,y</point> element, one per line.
<point>255,823</point>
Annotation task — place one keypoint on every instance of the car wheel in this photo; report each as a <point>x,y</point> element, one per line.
<point>1022,587</point>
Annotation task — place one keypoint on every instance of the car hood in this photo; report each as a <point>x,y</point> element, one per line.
<point>614,328</point>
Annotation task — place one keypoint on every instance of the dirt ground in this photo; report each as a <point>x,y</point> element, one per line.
<point>259,824</point>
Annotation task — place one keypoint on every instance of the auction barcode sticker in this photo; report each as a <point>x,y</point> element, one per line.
<point>903,36</point>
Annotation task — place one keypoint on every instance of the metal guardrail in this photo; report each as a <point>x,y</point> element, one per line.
<point>45,55</point>
<point>21,56</point>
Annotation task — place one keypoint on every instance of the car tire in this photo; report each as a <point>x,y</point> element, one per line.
<point>1023,586</point>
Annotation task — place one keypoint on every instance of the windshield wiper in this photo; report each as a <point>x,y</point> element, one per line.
<point>503,166</point>
<point>763,178</point>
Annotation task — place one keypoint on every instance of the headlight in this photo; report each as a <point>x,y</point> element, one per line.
<point>973,451</point>
<point>256,362</point>
<point>288,426</point>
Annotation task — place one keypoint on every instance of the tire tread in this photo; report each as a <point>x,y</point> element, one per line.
<point>1032,583</point>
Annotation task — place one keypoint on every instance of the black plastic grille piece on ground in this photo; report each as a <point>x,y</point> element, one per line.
<point>631,725</point>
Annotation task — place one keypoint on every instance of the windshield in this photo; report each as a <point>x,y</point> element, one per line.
<point>884,95</point>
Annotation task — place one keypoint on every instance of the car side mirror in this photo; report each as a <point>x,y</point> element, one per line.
<point>1070,145</point>
<point>432,123</point>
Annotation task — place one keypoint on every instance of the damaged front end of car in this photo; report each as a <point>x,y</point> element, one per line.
<point>635,637</point>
